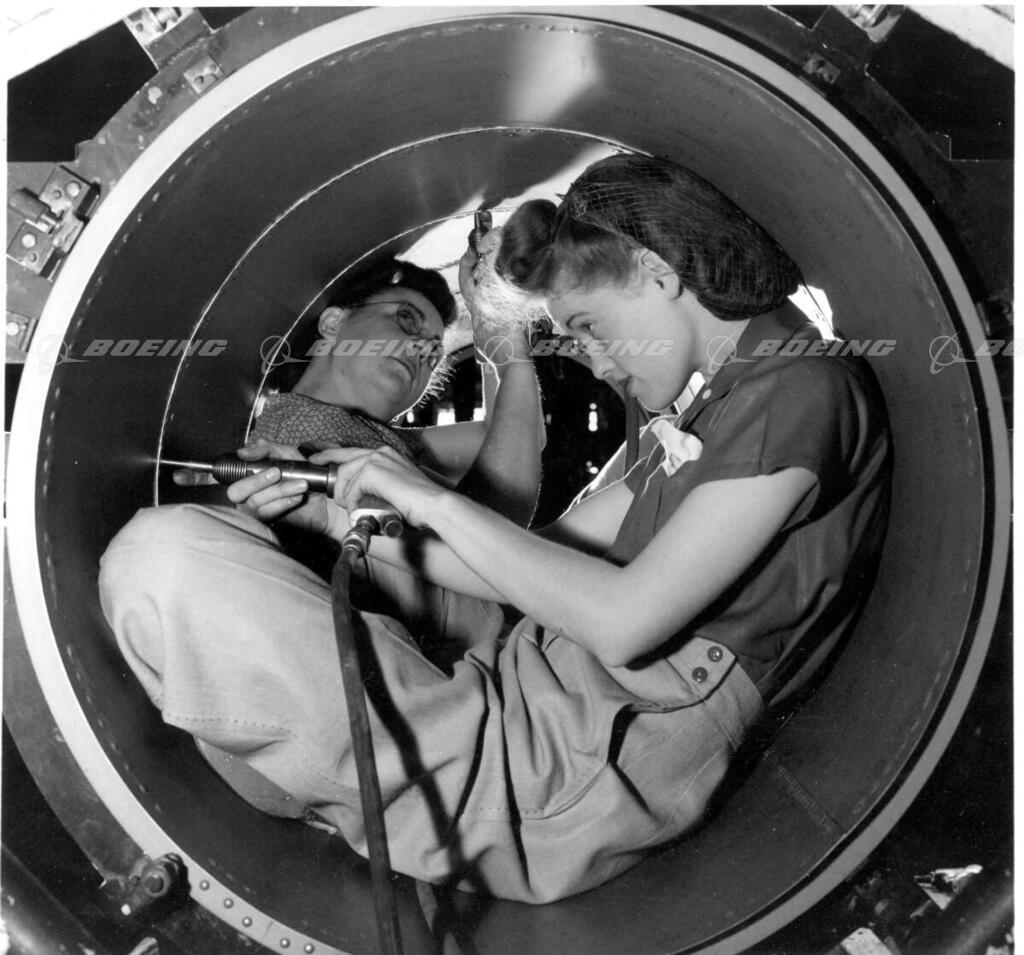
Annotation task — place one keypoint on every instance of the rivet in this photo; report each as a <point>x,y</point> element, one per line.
<point>700,675</point>
<point>246,921</point>
<point>32,257</point>
<point>286,943</point>
<point>58,193</point>
<point>706,393</point>
<point>204,885</point>
<point>714,654</point>
<point>13,328</point>
<point>309,947</point>
<point>228,903</point>
<point>74,188</point>
<point>154,93</point>
<point>28,240</point>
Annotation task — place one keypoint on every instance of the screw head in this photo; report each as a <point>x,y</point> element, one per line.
<point>74,188</point>
<point>699,675</point>
<point>714,654</point>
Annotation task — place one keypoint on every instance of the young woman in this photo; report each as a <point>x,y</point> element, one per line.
<point>662,613</point>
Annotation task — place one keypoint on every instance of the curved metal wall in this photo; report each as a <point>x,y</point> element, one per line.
<point>359,134</point>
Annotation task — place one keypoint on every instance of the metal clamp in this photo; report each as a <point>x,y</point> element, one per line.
<point>53,220</point>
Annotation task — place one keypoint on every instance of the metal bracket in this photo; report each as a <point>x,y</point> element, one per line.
<point>817,67</point>
<point>203,74</point>
<point>163,32</point>
<point>20,329</point>
<point>151,881</point>
<point>875,19</point>
<point>53,220</point>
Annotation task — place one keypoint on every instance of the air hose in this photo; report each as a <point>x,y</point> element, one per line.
<point>353,547</point>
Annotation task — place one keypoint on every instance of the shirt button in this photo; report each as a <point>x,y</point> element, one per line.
<point>714,654</point>
<point>700,675</point>
<point>706,394</point>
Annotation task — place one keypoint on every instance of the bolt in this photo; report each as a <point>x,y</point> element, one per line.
<point>154,94</point>
<point>74,188</point>
<point>32,257</point>
<point>13,328</point>
<point>28,240</point>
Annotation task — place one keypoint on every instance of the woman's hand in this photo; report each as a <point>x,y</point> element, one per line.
<point>267,497</point>
<point>467,280</point>
<point>386,474</point>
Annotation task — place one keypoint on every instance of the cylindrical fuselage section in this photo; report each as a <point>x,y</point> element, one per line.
<point>364,134</point>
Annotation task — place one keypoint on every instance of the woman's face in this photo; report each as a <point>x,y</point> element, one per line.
<point>385,351</point>
<point>639,336</point>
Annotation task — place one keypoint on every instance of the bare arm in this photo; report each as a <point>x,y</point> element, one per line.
<point>496,462</point>
<point>590,527</point>
<point>618,613</point>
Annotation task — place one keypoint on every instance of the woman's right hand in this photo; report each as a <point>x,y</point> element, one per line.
<point>268,498</point>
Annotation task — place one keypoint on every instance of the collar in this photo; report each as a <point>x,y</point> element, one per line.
<point>762,337</point>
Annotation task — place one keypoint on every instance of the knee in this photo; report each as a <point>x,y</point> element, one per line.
<point>148,553</point>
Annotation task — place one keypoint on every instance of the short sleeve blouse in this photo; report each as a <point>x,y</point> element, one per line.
<point>775,408</point>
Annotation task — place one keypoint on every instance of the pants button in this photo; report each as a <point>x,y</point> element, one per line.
<point>714,654</point>
<point>700,675</point>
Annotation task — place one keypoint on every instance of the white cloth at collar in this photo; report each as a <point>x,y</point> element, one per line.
<point>680,446</point>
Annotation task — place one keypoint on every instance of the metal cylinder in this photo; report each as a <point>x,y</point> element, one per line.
<point>335,135</point>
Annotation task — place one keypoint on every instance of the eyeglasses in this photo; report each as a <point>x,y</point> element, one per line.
<point>412,321</point>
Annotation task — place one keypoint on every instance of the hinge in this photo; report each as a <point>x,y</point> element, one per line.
<point>52,221</point>
<point>163,32</point>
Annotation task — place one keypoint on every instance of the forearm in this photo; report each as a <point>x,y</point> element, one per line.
<point>425,555</point>
<point>561,588</point>
<point>505,475</point>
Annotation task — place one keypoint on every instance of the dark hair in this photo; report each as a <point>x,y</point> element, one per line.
<point>629,202</point>
<point>394,272</point>
<point>352,291</point>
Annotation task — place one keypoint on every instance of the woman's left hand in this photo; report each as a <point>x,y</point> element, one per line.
<point>386,474</point>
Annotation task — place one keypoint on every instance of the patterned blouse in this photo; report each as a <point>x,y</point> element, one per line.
<point>292,419</point>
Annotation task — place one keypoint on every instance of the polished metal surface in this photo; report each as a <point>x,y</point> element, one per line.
<point>363,135</point>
